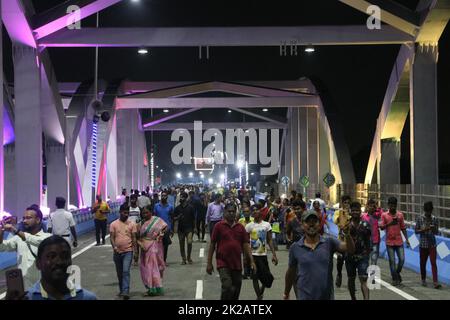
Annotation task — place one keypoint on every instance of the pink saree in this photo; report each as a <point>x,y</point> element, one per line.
<point>152,256</point>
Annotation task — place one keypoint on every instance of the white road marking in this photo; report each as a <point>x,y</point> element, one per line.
<point>392,288</point>
<point>86,248</point>
<point>2,295</point>
<point>202,252</point>
<point>199,290</point>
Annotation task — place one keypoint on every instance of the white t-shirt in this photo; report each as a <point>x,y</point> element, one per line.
<point>60,221</point>
<point>135,214</point>
<point>258,237</point>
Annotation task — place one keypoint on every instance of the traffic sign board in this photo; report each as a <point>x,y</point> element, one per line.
<point>329,180</point>
<point>285,181</point>
<point>304,181</point>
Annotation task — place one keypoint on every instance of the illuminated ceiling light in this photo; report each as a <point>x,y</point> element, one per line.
<point>229,111</point>
<point>161,170</point>
<point>247,131</point>
<point>191,174</point>
<point>265,110</point>
<point>178,175</point>
<point>166,110</point>
<point>135,1</point>
<point>142,51</point>
<point>310,49</point>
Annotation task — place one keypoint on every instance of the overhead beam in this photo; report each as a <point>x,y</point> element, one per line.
<point>165,117</point>
<point>224,36</point>
<point>392,13</point>
<point>436,19</point>
<point>215,125</point>
<point>211,86</point>
<point>263,116</point>
<point>58,18</point>
<point>184,103</point>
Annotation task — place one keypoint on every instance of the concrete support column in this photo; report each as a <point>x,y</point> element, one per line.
<point>124,151</point>
<point>390,161</point>
<point>2,166</point>
<point>295,148</point>
<point>28,128</point>
<point>324,153</point>
<point>10,195</point>
<point>56,173</point>
<point>303,141</point>
<point>423,115</point>
<point>287,148</point>
<point>313,146</point>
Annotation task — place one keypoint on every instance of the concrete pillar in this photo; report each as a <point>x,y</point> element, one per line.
<point>124,149</point>
<point>303,141</point>
<point>2,166</point>
<point>390,161</point>
<point>313,146</point>
<point>423,116</point>
<point>295,148</point>
<point>324,153</point>
<point>56,173</point>
<point>287,148</point>
<point>10,196</point>
<point>28,128</point>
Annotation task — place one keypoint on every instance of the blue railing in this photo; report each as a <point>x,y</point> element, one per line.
<point>412,255</point>
<point>84,220</point>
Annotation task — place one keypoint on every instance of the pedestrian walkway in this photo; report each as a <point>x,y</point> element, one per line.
<point>187,282</point>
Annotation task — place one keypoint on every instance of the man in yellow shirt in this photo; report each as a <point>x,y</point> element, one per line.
<point>341,219</point>
<point>101,210</point>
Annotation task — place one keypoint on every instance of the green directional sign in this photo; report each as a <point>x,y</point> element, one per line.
<point>329,180</point>
<point>304,181</point>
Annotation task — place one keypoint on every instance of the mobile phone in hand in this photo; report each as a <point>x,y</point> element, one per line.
<point>14,283</point>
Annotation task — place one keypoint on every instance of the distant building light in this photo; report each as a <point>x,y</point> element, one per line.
<point>310,49</point>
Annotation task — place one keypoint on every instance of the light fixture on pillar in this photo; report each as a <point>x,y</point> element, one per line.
<point>310,49</point>
<point>142,51</point>
<point>265,110</point>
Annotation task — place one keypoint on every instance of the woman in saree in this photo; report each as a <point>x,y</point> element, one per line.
<point>151,231</point>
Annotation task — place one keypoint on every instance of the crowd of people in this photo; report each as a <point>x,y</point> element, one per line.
<point>244,229</point>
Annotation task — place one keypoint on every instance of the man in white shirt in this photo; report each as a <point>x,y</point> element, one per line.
<point>25,243</point>
<point>321,202</point>
<point>143,200</point>
<point>61,222</point>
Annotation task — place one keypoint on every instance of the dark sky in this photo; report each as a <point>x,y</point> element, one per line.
<point>354,77</point>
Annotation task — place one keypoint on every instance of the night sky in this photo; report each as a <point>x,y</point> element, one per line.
<point>354,78</point>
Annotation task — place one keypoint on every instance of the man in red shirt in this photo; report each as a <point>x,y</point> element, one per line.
<point>230,239</point>
<point>394,223</point>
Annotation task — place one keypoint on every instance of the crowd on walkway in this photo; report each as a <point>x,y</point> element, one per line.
<point>244,231</point>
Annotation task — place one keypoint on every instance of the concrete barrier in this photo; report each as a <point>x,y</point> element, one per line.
<point>412,255</point>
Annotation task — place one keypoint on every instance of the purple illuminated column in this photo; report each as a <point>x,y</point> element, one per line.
<point>2,182</point>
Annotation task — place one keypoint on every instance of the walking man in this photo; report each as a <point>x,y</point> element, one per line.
<point>214,213</point>
<point>230,240</point>
<point>359,259</point>
<point>164,210</point>
<point>261,233</point>
<point>185,214</point>
<point>427,226</point>
<point>61,222</point>
<point>123,241</point>
<point>394,223</point>
<point>341,219</point>
<point>311,261</point>
<point>101,210</point>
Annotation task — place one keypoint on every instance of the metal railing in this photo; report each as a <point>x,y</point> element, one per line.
<point>410,198</point>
